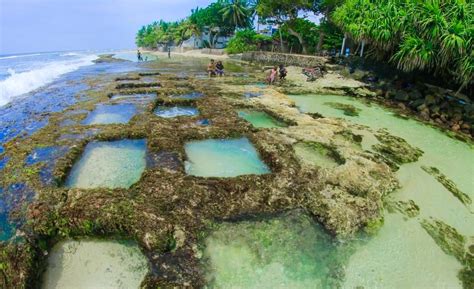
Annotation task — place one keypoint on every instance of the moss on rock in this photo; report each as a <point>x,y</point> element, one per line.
<point>449,185</point>
<point>348,109</point>
<point>454,244</point>
<point>395,149</point>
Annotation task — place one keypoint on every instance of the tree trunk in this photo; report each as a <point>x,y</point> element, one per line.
<point>300,39</point>
<point>281,39</point>
<point>362,49</point>
<point>320,41</point>
<point>343,45</point>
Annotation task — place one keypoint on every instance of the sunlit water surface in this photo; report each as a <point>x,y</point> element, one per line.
<point>223,158</point>
<point>260,119</point>
<point>116,164</point>
<point>402,254</point>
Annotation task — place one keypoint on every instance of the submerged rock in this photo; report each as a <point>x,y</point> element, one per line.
<point>107,58</point>
<point>348,109</point>
<point>449,185</point>
<point>408,208</point>
<point>454,244</point>
<point>395,149</point>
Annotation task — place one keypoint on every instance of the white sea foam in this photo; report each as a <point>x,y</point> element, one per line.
<point>19,56</point>
<point>19,83</point>
<point>70,54</point>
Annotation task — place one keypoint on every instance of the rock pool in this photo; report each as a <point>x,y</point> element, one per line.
<point>89,264</point>
<point>223,158</point>
<point>110,114</point>
<point>288,251</point>
<point>170,112</point>
<point>260,119</point>
<point>402,254</point>
<point>115,164</point>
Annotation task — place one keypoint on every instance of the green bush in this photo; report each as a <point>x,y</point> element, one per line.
<point>246,40</point>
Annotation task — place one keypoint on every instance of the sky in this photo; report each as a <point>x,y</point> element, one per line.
<point>59,25</point>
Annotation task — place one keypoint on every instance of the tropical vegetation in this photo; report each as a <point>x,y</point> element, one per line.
<point>435,36</point>
<point>430,35</point>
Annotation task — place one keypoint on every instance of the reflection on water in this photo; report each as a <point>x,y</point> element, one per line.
<point>170,112</point>
<point>110,114</point>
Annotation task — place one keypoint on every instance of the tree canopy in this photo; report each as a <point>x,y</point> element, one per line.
<point>430,35</point>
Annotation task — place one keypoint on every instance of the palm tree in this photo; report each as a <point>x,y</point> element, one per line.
<point>431,35</point>
<point>237,13</point>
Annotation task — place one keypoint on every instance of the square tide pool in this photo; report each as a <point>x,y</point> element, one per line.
<point>114,164</point>
<point>110,114</point>
<point>223,158</point>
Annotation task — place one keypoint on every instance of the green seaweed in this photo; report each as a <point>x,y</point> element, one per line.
<point>454,244</point>
<point>449,185</point>
<point>395,149</point>
<point>408,208</point>
<point>348,109</point>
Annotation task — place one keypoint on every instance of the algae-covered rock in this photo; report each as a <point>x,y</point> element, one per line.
<point>396,149</point>
<point>454,244</point>
<point>447,238</point>
<point>448,184</point>
<point>348,109</point>
<point>17,265</point>
<point>130,85</point>
<point>107,58</point>
<point>408,208</point>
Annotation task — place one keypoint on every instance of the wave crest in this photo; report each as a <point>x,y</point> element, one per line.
<point>19,83</point>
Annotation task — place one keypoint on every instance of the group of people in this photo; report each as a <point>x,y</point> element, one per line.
<point>215,68</point>
<point>275,72</point>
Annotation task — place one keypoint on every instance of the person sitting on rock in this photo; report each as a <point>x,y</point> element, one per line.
<point>283,72</point>
<point>219,68</point>
<point>272,75</point>
<point>211,68</point>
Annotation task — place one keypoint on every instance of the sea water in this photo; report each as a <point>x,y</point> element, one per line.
<point>89,264</point>
<point>402,254</point>
<point>23,73</point>
<point>223,158</point>
<point>111,114</point>
<point>174,111</point>
<point>260,119</point>
<point>114,164</point>
<point>287,251</point>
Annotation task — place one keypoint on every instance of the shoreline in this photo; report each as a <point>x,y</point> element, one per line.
<point>169,213</point>
<point>192,53</point>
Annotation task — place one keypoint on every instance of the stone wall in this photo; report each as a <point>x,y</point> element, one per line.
<point>282,58</point>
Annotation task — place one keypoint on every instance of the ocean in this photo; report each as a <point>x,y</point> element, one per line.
<point>23,73</point>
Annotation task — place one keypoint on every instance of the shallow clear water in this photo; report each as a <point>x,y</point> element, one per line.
<point>260,119</point>
<point>137,96</point>
<point>223,158</point>
<point>114,164</point>
<point>94,264</point>
<point>191,95</point>
<point>110,114</point>
<point>15,197</point>
<point>132,56</point>
<point>312,156</point>
<point>170,112</point>
<point>402,254</point>
<point>290,251</point>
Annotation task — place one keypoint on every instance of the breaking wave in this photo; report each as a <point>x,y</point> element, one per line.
<point>19,83</point>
